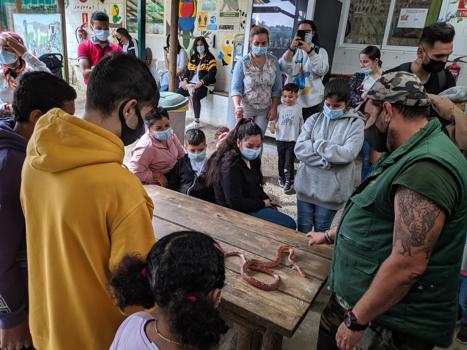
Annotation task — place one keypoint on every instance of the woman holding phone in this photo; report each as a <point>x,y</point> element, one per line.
<point>306,63</point>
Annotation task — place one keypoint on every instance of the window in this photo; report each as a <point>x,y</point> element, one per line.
<point>154,16</point>
<point>278,17</point>
<point>409,18</point>
<point>8,8</point>
<point>366,21</point>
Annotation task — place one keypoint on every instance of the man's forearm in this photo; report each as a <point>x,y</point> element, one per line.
<point>276,100</point>
<point>237,100</point>
<point>390,285</point>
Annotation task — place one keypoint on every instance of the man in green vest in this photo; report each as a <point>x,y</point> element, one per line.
<point>399,244</point>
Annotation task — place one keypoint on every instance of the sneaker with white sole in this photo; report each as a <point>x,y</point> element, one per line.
<point>193,125</point>
<point>288,187</point>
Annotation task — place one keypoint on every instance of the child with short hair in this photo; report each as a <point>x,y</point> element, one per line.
<point>287,129</point>
<point>220,135</point>
<point>327,147</point>
<point>183,275</point>
<point>157,151</point>
<point>189,174</point>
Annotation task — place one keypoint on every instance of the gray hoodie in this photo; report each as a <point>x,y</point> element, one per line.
<point>327,150</point>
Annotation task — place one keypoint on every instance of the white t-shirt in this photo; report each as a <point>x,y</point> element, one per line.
<point>289,122</point>
<point>131,335</point>
<point>367,84</point>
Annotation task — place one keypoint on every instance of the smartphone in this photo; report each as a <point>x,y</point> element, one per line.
<point>301,34</point>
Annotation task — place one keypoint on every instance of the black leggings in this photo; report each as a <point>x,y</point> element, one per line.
<point>198,95</point>
<point>309,111</point>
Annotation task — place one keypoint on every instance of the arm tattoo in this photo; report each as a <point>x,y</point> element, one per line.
<point>418,215</point>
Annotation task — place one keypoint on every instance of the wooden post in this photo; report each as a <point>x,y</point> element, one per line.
<point>142,29</point>
<point>61,9</point>
<point>173,46</point>
<point>18,7</point>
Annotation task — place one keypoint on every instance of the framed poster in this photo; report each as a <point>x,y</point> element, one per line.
<point>42,33</point>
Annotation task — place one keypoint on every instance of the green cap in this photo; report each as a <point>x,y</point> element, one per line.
<point>400,88</point>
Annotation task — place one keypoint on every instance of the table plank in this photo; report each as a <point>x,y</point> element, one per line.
<point>279,311</point>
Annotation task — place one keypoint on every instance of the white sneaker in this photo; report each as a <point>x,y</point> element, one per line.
<point>193,125</point>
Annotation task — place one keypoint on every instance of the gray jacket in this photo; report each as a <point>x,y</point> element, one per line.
<point>327,150</point>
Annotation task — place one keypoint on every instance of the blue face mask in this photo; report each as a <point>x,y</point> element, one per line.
<point>259,50</point>
<point>333,114</point>
<point>197,157</point>
<point>163,135</point>
<point>102,34</point>
<point>308,38</point>
<point>7,57</point>
<point>200,49</point>
<point>251,154</point>
<point>366,70</point>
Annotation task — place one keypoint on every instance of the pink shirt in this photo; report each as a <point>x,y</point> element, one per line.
<point>93,52</point>
<point>131,334</point>
<point>151,156</point>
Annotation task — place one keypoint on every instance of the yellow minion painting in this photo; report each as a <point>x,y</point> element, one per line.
<point>226,50</point>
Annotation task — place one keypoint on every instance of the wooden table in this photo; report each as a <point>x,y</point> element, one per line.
<point>263,318</point>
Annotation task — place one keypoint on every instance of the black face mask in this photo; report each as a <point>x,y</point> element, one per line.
<point>434,66</point>
<point>377,139</point>
<point>129,135</point>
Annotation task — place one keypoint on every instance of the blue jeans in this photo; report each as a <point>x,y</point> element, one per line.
<point>276,217</point>
<point>463,299</point>
<point>311,216</point>
<point>366,150</point>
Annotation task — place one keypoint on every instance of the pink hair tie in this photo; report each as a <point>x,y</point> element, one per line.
<point>192,298</point>
<point>218,247</point>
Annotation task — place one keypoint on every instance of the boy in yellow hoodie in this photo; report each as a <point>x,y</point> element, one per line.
<point>83,209</point>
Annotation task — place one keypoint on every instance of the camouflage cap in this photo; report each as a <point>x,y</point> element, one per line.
<point>400,88</point>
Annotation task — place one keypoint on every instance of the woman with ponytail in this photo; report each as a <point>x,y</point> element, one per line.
<point>15,60</point>
<point>360,83</point>
<point>183,275</point>
<point>234,171</point>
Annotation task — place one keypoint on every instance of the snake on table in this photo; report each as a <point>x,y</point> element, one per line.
<point>265,267</point>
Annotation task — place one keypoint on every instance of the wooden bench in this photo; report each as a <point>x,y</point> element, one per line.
<point>263,318</point>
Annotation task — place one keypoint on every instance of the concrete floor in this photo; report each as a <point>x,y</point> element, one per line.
<point>305,338</point>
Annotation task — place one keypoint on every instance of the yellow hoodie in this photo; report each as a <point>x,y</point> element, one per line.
<point>84,211</point>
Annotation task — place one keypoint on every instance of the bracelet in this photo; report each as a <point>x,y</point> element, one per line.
<point>327,238</point>
<point>291,49</point>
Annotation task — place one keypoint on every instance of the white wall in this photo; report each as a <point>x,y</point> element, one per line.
<point>346,59</point>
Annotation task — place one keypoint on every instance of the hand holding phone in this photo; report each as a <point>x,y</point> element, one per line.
<point>301,34</point>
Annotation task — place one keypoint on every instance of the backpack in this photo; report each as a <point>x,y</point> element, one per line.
<point>442,76</point>
<point>54,62</point>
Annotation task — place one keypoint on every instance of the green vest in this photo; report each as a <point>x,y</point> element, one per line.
<point>365,237</point>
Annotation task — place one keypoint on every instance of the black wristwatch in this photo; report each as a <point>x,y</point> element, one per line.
<point>350,320</point>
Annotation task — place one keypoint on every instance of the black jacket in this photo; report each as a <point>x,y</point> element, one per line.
<point>207,68</point>
<point>438,82</point>
<point>183,179</point>
<point>240,188</point>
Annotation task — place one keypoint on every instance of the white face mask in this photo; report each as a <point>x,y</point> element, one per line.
<point>102,34</point>
<point>7,57</point>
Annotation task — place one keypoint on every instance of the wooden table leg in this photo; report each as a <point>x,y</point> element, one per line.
<point>272,340</point>
<point>248,339</point>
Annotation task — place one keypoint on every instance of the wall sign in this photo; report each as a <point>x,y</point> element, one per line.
<point>412,18</point>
